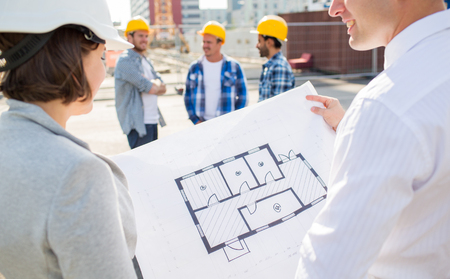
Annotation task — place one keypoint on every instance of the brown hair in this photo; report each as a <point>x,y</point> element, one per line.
<point>54,72</point>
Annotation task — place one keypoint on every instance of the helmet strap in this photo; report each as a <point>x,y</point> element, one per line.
<point>23,51</point>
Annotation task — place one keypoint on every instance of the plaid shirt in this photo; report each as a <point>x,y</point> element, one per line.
<point>129,83</point>
<point>233,84</point>
<point>276,77</point>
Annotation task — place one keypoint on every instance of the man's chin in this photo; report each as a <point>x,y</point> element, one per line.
<point>361,45</point>
<point>140,49</point>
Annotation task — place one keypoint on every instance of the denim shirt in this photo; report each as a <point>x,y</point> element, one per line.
<point>129,84</point>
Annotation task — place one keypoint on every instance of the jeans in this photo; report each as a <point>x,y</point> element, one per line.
<point>135,141</point>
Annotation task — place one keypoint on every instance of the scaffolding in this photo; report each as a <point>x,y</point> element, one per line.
<point>164,20</point>
<point>165,34</point>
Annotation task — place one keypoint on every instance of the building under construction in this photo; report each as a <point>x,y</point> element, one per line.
<point>165,17</point>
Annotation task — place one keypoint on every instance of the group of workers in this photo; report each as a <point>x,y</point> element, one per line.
<point>65,212</point>
<point>215,83</point>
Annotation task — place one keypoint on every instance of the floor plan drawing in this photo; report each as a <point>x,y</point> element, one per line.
<point>240,196</point>
<point>234,196</point>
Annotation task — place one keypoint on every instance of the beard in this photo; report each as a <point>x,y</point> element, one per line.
<point>263,51</point>
<point>139,48</point>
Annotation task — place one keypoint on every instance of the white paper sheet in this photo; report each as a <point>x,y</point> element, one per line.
<point>234,196</point>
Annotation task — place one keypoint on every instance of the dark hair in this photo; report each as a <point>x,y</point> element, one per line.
<point>276,42</point>
<point>54,72</point>
<point>219,40</point>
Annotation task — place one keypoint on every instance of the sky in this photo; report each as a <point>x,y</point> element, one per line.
<point>213,4</point>
<point>120,9</point>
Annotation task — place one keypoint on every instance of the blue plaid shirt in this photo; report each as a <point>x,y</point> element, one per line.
<point>233,84</point>
<point>276,77</point>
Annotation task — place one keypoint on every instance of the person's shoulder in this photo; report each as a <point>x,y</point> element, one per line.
<point>73,160</point>
<point>67,148</point>
<point>231,60</point>
<point>282,65</point>
<point>125,54</point>
<point>194,64</point>
<point>281,60</point>
<point>125,57</point>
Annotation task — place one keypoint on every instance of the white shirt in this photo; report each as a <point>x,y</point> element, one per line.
<point>150,101</point>
<point>387,214</point>
<point>213,86</point>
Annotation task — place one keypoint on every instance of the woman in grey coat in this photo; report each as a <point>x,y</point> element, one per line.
<point>65,212</point>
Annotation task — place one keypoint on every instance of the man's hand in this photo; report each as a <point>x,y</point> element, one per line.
<point>162,89</point>
<point>333,111</point>
<point>158,87</point>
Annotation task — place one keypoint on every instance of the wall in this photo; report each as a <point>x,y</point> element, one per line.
<point>328,45</point>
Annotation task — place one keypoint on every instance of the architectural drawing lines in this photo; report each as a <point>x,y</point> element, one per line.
<point>246,194</point>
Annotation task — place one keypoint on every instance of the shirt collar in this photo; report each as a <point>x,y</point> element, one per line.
<point>36,114</point>
<point>200,59</point>
<point>415,33</point>
<point>276,56</point>
<point>134,54</point>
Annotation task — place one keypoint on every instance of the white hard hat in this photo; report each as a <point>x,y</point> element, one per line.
<point>42,16</point>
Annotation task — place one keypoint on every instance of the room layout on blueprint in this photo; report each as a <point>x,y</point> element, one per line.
<point>234,196</point>
<point>243,195</point>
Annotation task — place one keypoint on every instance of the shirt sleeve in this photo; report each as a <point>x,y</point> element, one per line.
<point>128,71</point>
<point>241,89</point>
<point>375,163</point>
<point>84,226</point>
<point>189,97</point>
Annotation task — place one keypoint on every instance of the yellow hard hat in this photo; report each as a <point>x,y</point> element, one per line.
<point>213,28</point>
<point>272,25</point>
<point>137,23</point>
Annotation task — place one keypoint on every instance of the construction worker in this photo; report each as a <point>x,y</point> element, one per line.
<point>138,86</point>
<point>65,212</point>
<point>276,76</point>
<point>215,84</point>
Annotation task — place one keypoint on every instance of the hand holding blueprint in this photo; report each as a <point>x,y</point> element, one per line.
<point>234,196</point>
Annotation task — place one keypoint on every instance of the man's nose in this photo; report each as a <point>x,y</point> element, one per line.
<point>337,7</point>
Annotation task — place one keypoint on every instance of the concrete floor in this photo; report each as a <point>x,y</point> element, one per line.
<point>101,130</point>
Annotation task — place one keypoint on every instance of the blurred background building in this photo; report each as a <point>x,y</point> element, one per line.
<point>140,7</point>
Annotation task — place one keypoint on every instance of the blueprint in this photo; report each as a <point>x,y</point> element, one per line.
<point>234,196</point>
<point>248,193</point>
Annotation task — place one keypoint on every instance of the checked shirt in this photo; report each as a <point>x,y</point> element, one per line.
<point>276,77</point>
<point>233,84</point>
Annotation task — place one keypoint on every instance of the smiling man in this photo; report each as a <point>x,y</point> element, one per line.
<point>137,87</point>
<point>215,84</point>
<point>387,214</point>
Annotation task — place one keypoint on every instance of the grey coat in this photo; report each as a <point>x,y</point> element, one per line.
<point>64,212</point>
